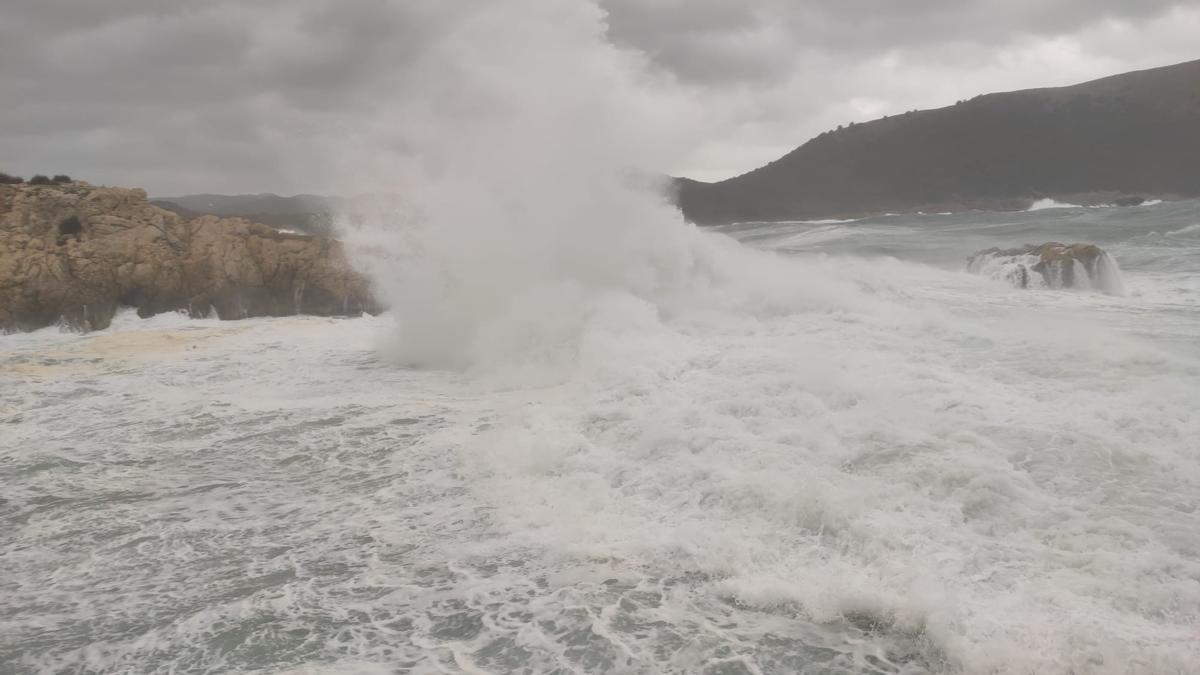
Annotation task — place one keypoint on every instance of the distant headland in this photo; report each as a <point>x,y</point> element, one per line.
<point>1115,140</point>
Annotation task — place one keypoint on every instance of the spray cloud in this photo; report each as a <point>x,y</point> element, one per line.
<point>522,145</point>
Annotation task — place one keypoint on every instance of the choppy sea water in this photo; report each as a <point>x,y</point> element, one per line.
<point>851,458</point>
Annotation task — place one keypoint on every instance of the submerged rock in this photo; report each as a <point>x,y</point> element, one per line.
<point>1051,265</point>
<point>1129,201</point>
<point>74,253</point>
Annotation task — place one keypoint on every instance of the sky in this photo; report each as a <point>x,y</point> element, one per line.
<point>237,96</point>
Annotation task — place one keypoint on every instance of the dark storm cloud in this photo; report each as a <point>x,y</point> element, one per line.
<point>788,70</point>
<point>709,40</point>
<point>165,93</point>
<point>230,95</point>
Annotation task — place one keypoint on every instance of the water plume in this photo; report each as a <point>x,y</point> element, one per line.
<point>525,149</point>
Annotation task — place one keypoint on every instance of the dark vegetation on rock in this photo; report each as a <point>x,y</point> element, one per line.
<point>1120,139</point>
<point>6,179</point>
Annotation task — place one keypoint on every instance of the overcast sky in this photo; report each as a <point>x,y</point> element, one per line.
<point>183,96</point>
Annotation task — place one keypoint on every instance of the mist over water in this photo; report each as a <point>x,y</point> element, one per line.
<point>706,457</point>
<point>527,176</point>
<point>591,438</point>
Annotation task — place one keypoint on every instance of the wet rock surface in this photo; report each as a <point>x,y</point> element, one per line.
<point>1051,265</point>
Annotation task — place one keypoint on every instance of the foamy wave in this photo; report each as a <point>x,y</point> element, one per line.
<point>660,451</point>
<point>829,461</point>
<point>828,221</point>
<point>1185,232</point>
<point>1044,204</point>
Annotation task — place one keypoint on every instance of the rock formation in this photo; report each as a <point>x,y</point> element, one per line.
<point>74,253</point>
<point>1051,265</point>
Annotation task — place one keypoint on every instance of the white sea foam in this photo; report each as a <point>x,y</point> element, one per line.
<point>829,221</point>
<point>634,446</point>
<point>1047,203</point>
<point>996,481</point>
<point>812,442</point>
<point>829,439</point>
<point>1191,231</point>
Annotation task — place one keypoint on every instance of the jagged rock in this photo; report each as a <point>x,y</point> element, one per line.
<point>1051,265</point>
<point>74,253</point>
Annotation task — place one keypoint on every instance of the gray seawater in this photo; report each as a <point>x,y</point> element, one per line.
<point>846,455</point>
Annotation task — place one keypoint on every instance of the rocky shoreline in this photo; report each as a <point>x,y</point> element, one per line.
<point>72,254</point>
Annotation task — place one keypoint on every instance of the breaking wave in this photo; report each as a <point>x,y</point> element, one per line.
<point>627,446</point>
<point>1047,203</point>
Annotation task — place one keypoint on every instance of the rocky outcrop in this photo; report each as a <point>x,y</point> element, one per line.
<point>1051,265</point>
<point>75,253</point>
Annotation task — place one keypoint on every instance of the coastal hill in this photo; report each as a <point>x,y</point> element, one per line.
<point>1125,137</point>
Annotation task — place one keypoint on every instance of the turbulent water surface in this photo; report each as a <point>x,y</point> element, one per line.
<point>841,455</point>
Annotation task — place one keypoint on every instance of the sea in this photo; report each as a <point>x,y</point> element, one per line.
<point>832,450</point>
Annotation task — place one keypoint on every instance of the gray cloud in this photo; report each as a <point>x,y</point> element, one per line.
<point>711,40</point>
<point>239,95</point>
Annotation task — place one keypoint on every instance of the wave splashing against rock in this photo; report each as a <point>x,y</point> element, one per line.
<point>1051,265</point>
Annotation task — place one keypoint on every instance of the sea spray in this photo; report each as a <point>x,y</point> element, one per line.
<point>528,164</point>
<point>765,445</point>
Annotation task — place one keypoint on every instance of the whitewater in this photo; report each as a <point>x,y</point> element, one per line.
<point>840,453</point>
<point>588,437</point>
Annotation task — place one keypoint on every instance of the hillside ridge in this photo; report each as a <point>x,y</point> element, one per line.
<point>1121,137</point>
